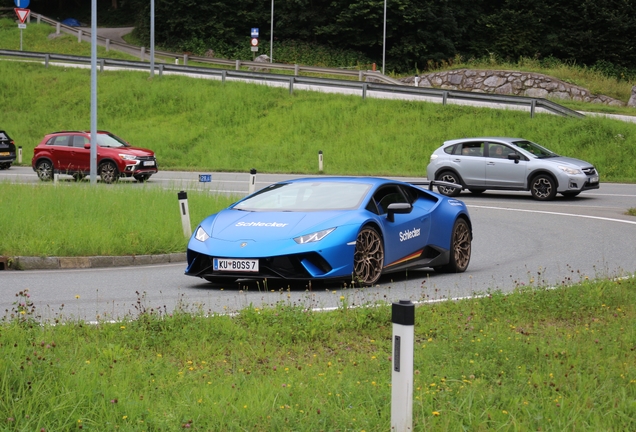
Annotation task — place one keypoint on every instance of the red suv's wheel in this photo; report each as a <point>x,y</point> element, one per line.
<point>44,169</point>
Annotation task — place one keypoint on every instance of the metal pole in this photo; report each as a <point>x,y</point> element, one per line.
<point>152,38</point>
<point>403,318</point>
<point>93,162</point>
<point>271,37</point>
<point>384,39</point>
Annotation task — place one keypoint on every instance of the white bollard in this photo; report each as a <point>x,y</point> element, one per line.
<point>320,160</point>
<point>20,154</point>
<point>403,319</point>
<point>252,185</point>
<point>417,81</point>
<point>79,35</point>
<point>176,60</point>
<point>185,213</point>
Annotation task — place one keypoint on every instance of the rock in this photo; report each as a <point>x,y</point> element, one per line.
<point>209,53</point>
<point>263,58</point>
<point>632,99</point>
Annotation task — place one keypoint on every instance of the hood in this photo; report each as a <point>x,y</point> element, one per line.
<point>571,162</point>
<point>234,225</point>
<point>137,151</point>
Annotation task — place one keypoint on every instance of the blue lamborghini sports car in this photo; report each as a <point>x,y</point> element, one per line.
<point>346,228</point>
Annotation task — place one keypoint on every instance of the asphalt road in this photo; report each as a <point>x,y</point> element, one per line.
<point>517,242</point>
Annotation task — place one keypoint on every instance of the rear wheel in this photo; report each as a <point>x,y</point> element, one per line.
<point>5,165</point>
<point>44,169</point>
<point>450,177</point>
<point>460,249</point>
<point>543,188</point>
<point>368,258</point>
<point>108,172</point>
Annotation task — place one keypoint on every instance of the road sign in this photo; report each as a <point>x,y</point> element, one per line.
<point>22,4</point>
<point>254,33</point>
<point>22,13</point>
<point>254,42</point>
<point>21,26</point>
<point>205,178</point>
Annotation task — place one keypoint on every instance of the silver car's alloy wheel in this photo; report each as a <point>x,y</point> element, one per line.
<point>449,177</point>
<point>543,188</point>
<point>108,172</point>
<point>44,169</point>
<point>368,258</point>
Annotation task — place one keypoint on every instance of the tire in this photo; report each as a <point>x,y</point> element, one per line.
<point>44,169</point>
<point>142,177</point>
<point>368,258</point>
<point>108,172</point>
<point>5,165</point>
<point>461,246</point>
<point>477,191</point>
<point>543,188</point>
<point>450,177</point>
<point>570,194</point>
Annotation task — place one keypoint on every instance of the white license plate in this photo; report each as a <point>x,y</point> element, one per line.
<point>593,180</point>
<point>235,265</point>
<point>149,163</point>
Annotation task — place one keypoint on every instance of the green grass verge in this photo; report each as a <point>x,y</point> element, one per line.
<point>84,220</point>
<point>549,360</point>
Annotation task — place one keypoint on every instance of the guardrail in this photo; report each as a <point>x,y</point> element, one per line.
<point>423,93</point>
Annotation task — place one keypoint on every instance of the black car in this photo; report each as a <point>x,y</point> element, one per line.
<point>7,150</point>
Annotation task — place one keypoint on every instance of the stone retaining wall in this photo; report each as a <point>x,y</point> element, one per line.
<point>509,82</point>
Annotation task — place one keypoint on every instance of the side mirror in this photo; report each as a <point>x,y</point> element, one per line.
<point>400,208</point>
<point>87,146</point>
<point>515,157</point>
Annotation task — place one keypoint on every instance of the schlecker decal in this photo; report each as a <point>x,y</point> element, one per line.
<point>261,224</point>
<point>409,234</point>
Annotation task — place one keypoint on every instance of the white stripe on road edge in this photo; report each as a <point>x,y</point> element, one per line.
<point>556,213</point>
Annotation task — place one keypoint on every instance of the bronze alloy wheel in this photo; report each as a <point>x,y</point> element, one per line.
<point>460,249</point>
<point>368,258</point>
<point>108,172</point>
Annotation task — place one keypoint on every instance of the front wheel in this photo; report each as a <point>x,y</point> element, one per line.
<point>142,177</point>
<point>461,241</point>
<point>108,172</point>
<point>450,177</point>
<point>368,258</point>
<point>44,169</point>
<point>543,188</point>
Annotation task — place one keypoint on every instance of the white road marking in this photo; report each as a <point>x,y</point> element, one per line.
<point>556,213</point>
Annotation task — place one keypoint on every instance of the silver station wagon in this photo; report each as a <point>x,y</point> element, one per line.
<point>498,163</point>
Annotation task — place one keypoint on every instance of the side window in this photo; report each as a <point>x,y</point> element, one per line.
<point>451,149</point>
<point>498,151</point>
<point>61,140</point>
<point>475,149</point>
<point>79,141</point>
<point>388,195</point>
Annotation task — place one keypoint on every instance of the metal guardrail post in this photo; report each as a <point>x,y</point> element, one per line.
<point>79,36</point>
<point>444,97</point>
<point>57,28</point>
<point>291,85</point>
<point>107,45</point>
<point>142,52</point>
<point>223,75</point>
<point>296,68</point>
<point>185,59</point>
<point>101,65</point>
<point>364,90</point>
<point>160,69</point>
<point>38,19</point>
<point>360,75</point>
<point>46,60</point>
<point>238,65</point>
<point>533,104</point>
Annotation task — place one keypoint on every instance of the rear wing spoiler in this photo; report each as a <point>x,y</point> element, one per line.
<point>432,183</point>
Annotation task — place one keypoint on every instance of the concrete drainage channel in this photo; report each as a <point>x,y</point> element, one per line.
<point>55,263</point>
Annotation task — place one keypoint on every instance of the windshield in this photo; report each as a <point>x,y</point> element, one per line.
<point>306,196</point>
<point>535,149</point>
<point>110,140</point>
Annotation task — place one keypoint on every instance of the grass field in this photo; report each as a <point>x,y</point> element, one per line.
<point>549,360</point>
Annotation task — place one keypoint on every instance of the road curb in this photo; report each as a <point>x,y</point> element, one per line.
<point>56,263</point>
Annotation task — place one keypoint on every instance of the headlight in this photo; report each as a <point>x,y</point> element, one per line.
<point>201,235</point>
<point>570,170</point>
<point>313,237</point>
<point>127,157</point>
<point>433,157</point>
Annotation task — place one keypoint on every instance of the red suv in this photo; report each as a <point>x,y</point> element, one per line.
<point>68,152</point>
